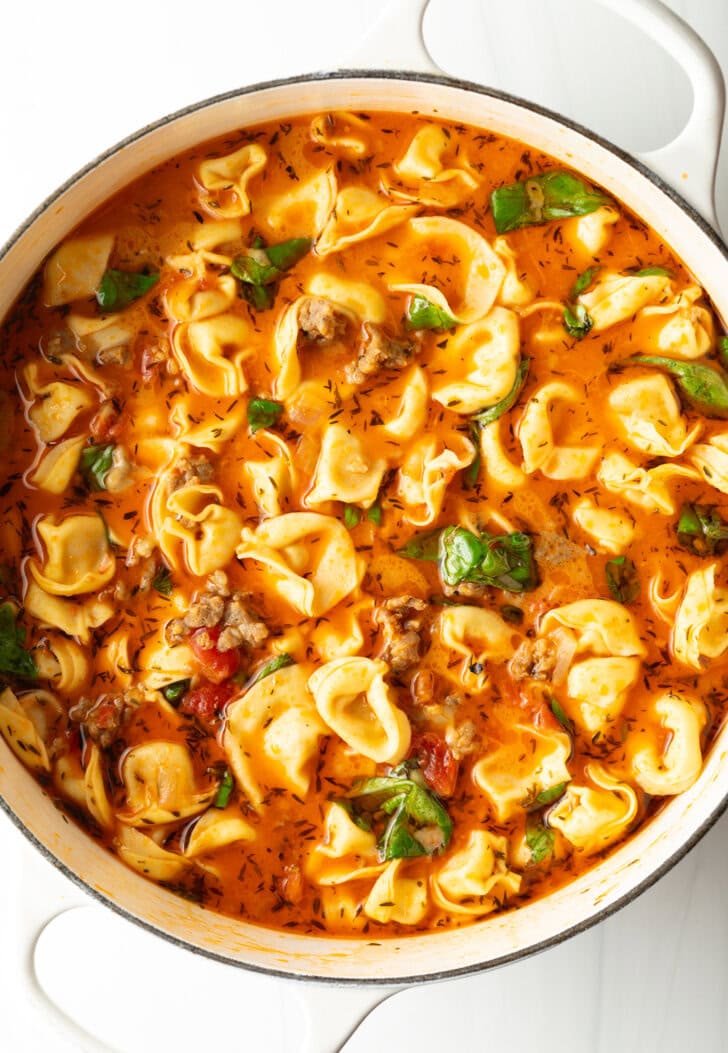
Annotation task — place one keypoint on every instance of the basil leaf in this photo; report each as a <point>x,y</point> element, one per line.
<point>622,579</point>
<point>279,662</point>
<point>263,413</point>
<point>723,348</point>
<point>583,282</point>
<point>425,545</point>
<point>539,838</point>
<point>356,817</point>
<point>174,692</point>
<point>648,272</point>
<point>558,712</point>
<point>96,462</point>
<point>162,581</point>
<point>287,254</point>
<point>504,562</point>
<point>486,416</point>
<point>422,314</point>
<point>352,516</point>
<point>511,613</point>
<point>14,659</point>
<point>471,473</point>
<point>374,514</point>
<point>224,790</point>
<point>577,320</point>
<point>704,388</point>
<point>542,198</point>
<point>701,530</point>
<point>118,289</point>
<point>548,796</point>
<point>410,808</point>
<point>260,269</point>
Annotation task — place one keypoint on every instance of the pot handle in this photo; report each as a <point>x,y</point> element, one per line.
<point>41,896</point>
<point>334,1013</point>
<point>687,164</point>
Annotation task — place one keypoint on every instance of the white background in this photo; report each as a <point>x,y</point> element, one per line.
<point>74,78</point>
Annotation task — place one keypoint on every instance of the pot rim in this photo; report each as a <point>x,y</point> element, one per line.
<point>705,227</point>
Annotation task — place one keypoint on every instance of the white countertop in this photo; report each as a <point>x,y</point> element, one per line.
<point>75,78</point>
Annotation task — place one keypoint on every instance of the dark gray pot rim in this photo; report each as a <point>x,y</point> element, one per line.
<point>686,846</point>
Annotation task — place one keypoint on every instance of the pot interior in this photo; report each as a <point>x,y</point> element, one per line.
<point>640,859</point>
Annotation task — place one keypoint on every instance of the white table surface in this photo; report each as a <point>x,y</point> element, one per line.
<point>74,78</point>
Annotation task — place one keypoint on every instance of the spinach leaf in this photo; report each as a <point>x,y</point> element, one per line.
<point>374,514</point>
<point>583,282</point>
<point>539,838</point>
<point>174,692</point>
<point>118,289</point>
<point>14,659</point>
<point>486,416</point>
<point>704,388</point>
<point>548,796</point>
<point>224,790</point>
<point>410,808</point>
<point>425,545</point>
<point>162,581</point>
<point>542,198</point>
<point>279,662</point>
<point>558,711</point>
<point>723,349</point>
<point>649,272</point>
<point>701,530</point>
<point>622,579</point>
<point>504,562</point>
<point>422,314</point>
<point>577,320</point>
<point>96,462</point>
<point>263,413</point>
<point>352,516</point>
<point>259,269</point>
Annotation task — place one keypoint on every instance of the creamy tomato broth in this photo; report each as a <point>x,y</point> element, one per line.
<point>364,481</point>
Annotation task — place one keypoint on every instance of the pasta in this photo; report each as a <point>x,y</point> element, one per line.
<point>365,500</point>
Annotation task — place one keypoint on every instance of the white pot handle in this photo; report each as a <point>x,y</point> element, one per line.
<point>687,164</point>
<point>334,1013</point>
<point>41,895</point>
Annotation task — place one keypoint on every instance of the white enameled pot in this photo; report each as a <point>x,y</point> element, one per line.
<point>678,203</point>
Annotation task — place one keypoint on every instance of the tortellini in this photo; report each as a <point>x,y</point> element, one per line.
<point>396,898</point>
<point>273,728</point>
<point>345,853</point>
<point>700,630</point>
<point>359,214</point>
<point>161,785</point>
<point>304,208</point>
<point>617,297</point>
<point>598,688</point>
<point>593,815</point>
<point>538,441</point>
<point>603,627</point>
<point>56,404</point>
<point>481,361</point>
<point>216,829</point>
<point>591,233</point>
<point>25,724</point>
<point>711,461</point>
<point>688,329</point>
<point>345,470</point>
<point>650,415</point>
<point>226,180</point>
<point>411,411</point>
<point>355,701</point>
<point>476,880</point>
<point>674,767</point>
<point>207,530</point>
<point>516,772</point>
<point>647,488</point>
<point>423,177</point>
<point>143,854</point>
<point>612,531</point>
<point>309,558</point>
<point>428,468</point>
<point>479,635</point>
<point>78,558</point>
<point>342,132</point>
<point>274,477</point>
<point>75,269</point>
<point>211,353</point>
<point>75,617</point>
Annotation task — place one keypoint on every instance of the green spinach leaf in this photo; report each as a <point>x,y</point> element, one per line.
<point>14,659</point>
<point>404,808</point>
<point>542,198</point>
<point>486,416</point>
<point>96,462</point>
<point>701,530</point>
<point>263,413</point>
<point>422,314</point>
<point>539,838</point>
<point>704,388</point>
<point>118,289</point>
<point>622,579</point>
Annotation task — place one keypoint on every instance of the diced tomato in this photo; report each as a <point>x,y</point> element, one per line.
<point>206,700</point>
<point>73,738</point>
<point>106,423</point>
<point>437,762</point>
<point>216,665</point>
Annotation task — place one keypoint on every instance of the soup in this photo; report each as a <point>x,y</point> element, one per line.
<point>364,482</point>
